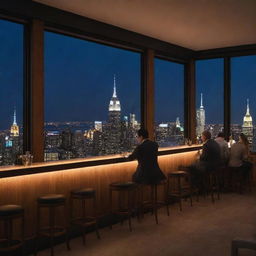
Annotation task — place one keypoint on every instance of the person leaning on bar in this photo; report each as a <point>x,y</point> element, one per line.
<point>148,170</point>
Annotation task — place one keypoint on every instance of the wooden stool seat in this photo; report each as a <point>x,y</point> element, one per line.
<point>84,220</point>
<point>125,185</point>
<point>9,213</point>
<point>178,173</point>
<point>51,199</point>
<point>84,192</point>
<point>10,210</point>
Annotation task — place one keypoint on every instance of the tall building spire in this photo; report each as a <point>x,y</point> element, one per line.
<point>248,108</point>
<point>114,92</point>
<point>14,128</point>
<point>247,127</point>
<point>14,117</point>
<point>201,105</point>
<point>114,104</point>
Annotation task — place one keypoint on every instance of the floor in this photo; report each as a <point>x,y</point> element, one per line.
<point>204,229</point>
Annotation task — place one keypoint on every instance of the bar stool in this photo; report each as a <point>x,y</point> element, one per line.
<point>51,202</point>
<point>240,179</point>
<point>9,213</point>
<point>125,208</point>
<point>84,221</point>
<point>153,203</point>
<point>176,182</point>
<point>212,179</point>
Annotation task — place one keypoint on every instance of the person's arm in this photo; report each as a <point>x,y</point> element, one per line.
<point>134,154</point>
<point>204,154</point>
<point>245,152</point>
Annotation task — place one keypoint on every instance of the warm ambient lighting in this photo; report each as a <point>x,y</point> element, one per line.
<point>25,189</point>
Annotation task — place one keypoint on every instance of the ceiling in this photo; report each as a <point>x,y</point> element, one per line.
<point>195,24</point>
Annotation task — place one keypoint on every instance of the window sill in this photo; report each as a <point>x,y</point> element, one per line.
<point>35,168</point>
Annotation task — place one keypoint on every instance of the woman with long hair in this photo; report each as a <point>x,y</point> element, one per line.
<point>238,160</point>
<point>239,151</point>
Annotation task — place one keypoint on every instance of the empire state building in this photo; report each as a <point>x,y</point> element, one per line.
<point>200,119</point>
<point>14,132</point>
<point>113,128</point>
<point>247,127</point>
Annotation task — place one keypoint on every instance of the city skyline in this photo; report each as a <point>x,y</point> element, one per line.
<point>65,57</point>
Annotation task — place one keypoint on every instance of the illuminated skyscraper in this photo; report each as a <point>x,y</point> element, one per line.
<point>247,127</point>
<point>98,125</point>
<point>113,127</point>
<point>133,121</point>
<point>14,128</point>
<point>200,118</point>
<point>177,122</point>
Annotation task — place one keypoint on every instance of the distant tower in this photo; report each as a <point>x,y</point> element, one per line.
<point>133,121</point>
<point>113,132</point>
<point>200,118</point>
<point>98,125</point>
<point>14,128</point>
<point>177,122</point>
<point>114,105</point>
<point>247,127</point>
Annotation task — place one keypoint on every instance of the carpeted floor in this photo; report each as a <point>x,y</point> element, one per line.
<point>205,229</point>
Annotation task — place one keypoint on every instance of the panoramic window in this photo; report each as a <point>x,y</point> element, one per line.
<point>209,96</point>
<point>92,98</point>
<point>169,103</point>
<point>243,100</point>
<point>11,92</point>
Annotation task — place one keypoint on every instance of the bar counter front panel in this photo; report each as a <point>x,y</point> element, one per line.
<point>25,189</point>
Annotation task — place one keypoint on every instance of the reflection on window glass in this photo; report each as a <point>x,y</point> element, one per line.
<point>169,103</point>
<point>92,98</point>
<point>243,100</point>
<point>11,92</point>
<point>209,96</point>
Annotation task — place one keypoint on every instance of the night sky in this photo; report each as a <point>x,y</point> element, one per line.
<point>169,91</point>
<point>209,82</point>
<point>243,78</point>
<point>11,72</point>
<point>79,81</point>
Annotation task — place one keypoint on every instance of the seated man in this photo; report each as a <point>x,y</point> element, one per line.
<point>209,161</point>
<point>148,171</point>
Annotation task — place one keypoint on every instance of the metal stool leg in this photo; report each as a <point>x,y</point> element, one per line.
<point>111,211</point>
<point>52,223</point>
<point>166,198</point>
<point>96,217</point>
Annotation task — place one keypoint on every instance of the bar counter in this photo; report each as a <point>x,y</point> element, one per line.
<point>23,185</point>
<point>18,170</point>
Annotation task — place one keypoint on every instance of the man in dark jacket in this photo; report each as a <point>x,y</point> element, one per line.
<point>211,154</point>
<point>209,161</point>
<point>148,171</point>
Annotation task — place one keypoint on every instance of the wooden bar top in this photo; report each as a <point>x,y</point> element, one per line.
<point>41,167</point>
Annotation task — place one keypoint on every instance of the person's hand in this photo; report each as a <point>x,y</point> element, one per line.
<point>125,154</point>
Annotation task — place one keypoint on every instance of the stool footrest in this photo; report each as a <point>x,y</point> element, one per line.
<point>88,221</point>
